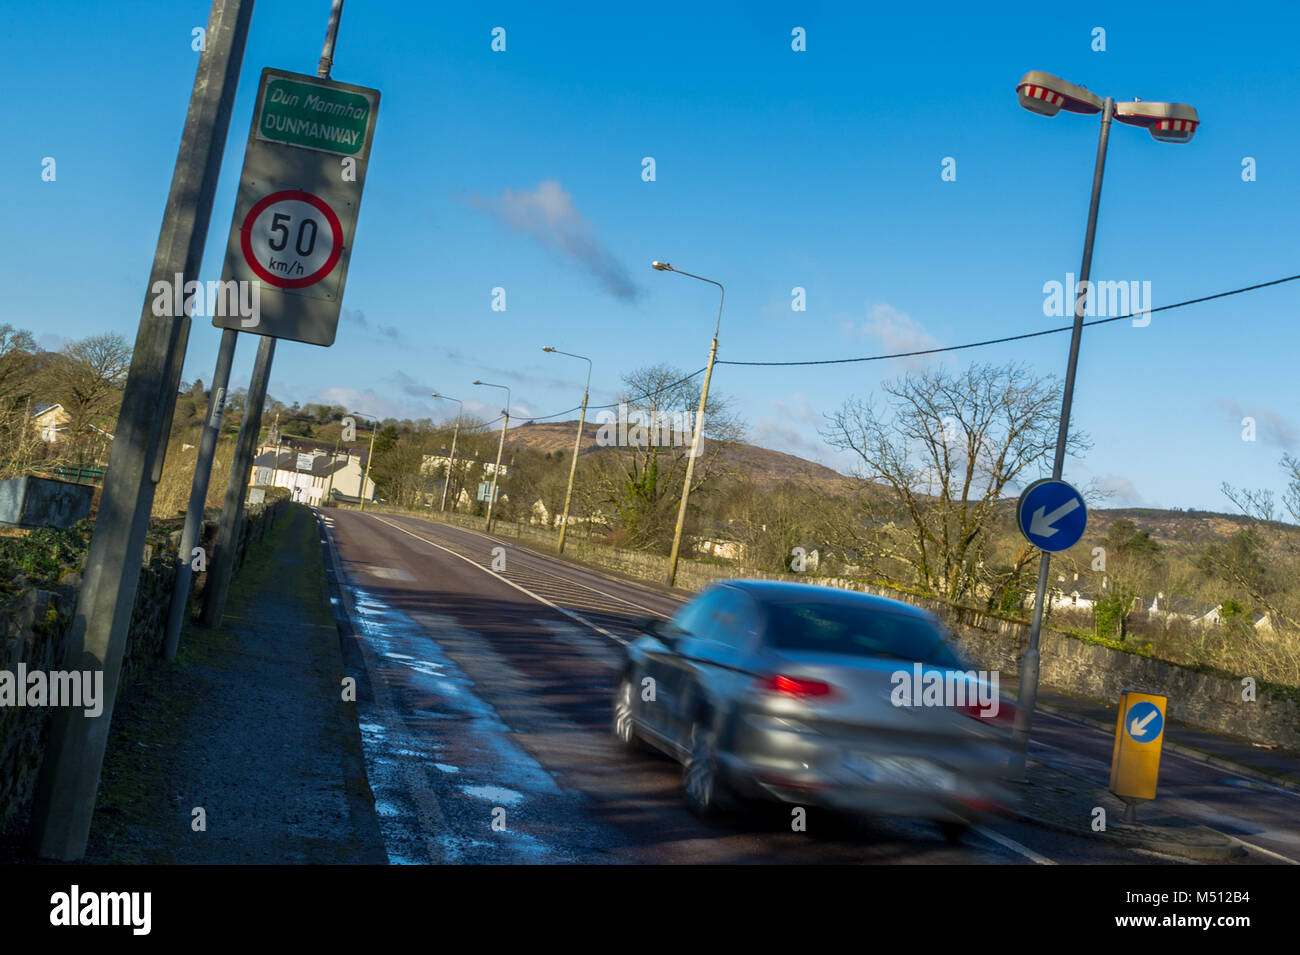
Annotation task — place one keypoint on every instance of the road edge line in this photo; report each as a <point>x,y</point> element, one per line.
<point>523,590</point>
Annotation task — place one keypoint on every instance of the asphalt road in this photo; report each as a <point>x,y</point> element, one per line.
<point>484,707</point>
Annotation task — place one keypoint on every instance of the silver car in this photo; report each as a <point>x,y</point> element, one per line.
<point>813,696</point>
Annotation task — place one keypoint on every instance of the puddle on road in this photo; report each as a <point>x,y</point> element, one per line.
<point>496,794</point>
<point>423,816</point>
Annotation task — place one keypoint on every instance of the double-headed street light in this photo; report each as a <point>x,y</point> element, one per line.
<point>500,447</point>
<point>460,413</point>
<point>370,455</point>
<point>577,444</point>
<point>699,419</point>
<point>1047,95</point>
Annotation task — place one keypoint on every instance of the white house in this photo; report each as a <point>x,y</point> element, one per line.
<point>50,420</point>
<point>1074,594</point>
<point>1169,609</point>
<point>309,472</point>
<point>432,462</point>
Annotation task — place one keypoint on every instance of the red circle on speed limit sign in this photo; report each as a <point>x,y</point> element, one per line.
<point>291,239</point>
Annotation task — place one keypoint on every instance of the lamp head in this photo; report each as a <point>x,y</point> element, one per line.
<point>1167,122</point>
<point>1047,95</point>
<point>661,266</point>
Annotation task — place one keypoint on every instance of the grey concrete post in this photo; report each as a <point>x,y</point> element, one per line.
<point>69,778</point>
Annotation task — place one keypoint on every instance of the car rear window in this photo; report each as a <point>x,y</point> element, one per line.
<point>854,631</point>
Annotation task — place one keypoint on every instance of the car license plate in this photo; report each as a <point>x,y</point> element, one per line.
<point>900,771</point>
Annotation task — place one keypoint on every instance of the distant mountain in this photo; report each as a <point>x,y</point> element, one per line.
<point>769,467</point>
<point>764,466</point>
<point>1167,527</point>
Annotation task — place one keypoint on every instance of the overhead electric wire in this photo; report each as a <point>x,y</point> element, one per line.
<point>648,394</point>
<point>1012,338</point>
<point>945,348</point>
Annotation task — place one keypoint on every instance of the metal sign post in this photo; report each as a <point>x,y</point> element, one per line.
<point>290,236</point>
<point>1027,692</point>
<point>199,494</point>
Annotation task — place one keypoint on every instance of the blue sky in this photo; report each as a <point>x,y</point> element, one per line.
<point>774,169</point>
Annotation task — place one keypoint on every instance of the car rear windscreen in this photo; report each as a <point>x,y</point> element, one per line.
<point>854,631</point>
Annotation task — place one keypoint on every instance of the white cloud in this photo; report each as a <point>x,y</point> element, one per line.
<point>1270,427</point>
<point>896,331</point>
<point>795,429</point>
<point>370,402</point>
<point>548,215</point>
<point>1119,491</point>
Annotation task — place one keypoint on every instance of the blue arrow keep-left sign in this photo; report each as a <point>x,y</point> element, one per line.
<point>1143,722</point>
<point>1052,515</point>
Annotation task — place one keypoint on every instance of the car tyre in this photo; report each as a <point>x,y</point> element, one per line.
<point>705,791</point>
<point>624,724</point>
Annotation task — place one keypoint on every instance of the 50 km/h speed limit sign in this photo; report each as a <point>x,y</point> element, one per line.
<point>291,239</point>
<point>296,212</point>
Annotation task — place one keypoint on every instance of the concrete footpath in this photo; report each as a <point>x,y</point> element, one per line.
<point>249,727</point>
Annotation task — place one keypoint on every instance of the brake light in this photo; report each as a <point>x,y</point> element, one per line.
<point>1005,716</point>
<point>795,686</point>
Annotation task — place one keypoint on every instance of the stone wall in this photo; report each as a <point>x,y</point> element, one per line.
<point>30,501</point>
<point>33,629</point>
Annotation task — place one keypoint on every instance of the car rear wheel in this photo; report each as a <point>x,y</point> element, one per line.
<point>706,793</point>
<point>624,725</point>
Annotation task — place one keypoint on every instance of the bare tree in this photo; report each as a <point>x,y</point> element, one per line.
<point>19,441</point>
<point>645,446</point>
<point>937,460</point>
<point>1260,561</point>
<point>17,349</point>
<point>87,380</point>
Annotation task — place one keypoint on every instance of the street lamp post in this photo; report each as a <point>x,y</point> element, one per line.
<point>1047,95</point>
<point>370,455</point>
<point>577,444</point>
<point>496,470</point>
<point>454,435</point>
<point>699,419</point>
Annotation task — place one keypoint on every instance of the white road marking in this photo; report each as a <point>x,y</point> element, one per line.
<point>1008,843</point>
<point>568,580</point>
<point>524,590</point>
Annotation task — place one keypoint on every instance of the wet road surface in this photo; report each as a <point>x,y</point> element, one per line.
<point>485,721</point>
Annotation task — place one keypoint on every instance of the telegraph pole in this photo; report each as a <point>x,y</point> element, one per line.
<point>460,413</point>
<point>496,471</point>
<point>451,461</point>
<point>577,444</point>
<point>370,456</point>
<point>69,777</point>
<point>334,460</point>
